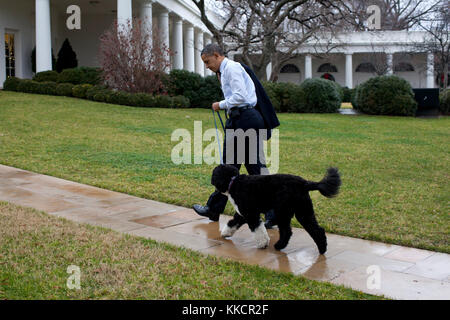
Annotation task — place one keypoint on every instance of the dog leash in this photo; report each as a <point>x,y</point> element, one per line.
<point>217,132</point>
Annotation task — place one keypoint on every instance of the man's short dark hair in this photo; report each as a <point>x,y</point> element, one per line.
<point>211,48</point>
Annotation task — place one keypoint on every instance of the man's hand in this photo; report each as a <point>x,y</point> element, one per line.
<point>216,106</point>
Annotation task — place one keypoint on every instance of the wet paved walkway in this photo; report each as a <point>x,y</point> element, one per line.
<point>404,273</point>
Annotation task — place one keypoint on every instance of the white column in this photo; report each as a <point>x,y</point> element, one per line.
<point>269,70</point>
<point>189,54</point>
<point>390,63</point>
<point>43,37</point>
<point>199,65</point>
<point>147,15</point>
<point>308,67</point>
<point>2,57</point>
<point>177,41</point>
<point>430,70</point>
<point>349,70</point>
<point>163,26</point>
<point>124,12</point>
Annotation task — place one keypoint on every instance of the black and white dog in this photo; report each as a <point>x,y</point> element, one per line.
<point>286,194</point>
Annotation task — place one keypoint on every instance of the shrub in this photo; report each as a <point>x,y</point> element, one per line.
<point>79,90</point>
<point>74,76</point>
<point>64,89</point>
<point>91,75</point>
<point>47,87</point>
<point>188,84</point>
<point>101,95</point>
<point>339,89</point>
<point>181,102</point>
<point>90,92</point>
<point>284,96</point>
<point>354,97</point>
<point>119,97</point>
<point>163,101</point>
<point>46,76</point>
<point>11,84</point>
<point>80,75</point>
<point>386,95</point>
<point>67,58</point>
<point>28,86</point>
<point>444,101</point>
<point>273,93</point>
<point>347,97</point>
<point>145,100</point>
<point>319,96</point>
<point>210,92</point>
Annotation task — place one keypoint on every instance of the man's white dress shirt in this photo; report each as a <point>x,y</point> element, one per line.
<point>237,86</point>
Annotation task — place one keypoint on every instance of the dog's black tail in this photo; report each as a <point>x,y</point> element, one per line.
<point>329,185</point>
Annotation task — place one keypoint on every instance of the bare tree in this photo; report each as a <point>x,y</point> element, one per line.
<point>394,14</point>
<point>269,31</point>
<point>438,41</point>
<point>132,58</point>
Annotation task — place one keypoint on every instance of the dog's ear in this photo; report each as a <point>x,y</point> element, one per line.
<point>222,175</point>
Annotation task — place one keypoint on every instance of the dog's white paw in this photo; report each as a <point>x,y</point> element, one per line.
<point>227,231</point>
<point>261,237</point>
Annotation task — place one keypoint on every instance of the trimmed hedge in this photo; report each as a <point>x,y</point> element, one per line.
<point>122,98</point>
<point>28,86</point>
<point>444,101</point>
<point>201,92</point>
<point>95,93</point>
<point>46,76</point>
<point>386,95</point>
<point>47,87</point>
<point>79,90</point>
<point>64,89</point>
<point>319,96</point>
<point>81,75</point>
<point>11,84</point>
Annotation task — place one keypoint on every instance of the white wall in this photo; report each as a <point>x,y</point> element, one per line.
<point>85,42</point>
<point>15,18</point>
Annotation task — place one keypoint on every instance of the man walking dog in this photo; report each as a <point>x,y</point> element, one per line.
<point>248,107</point>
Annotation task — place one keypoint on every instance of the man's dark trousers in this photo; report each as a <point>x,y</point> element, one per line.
<point>247,119</point>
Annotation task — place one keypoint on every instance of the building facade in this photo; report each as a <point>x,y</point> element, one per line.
<point>45,24</point>
<point>359,56</point>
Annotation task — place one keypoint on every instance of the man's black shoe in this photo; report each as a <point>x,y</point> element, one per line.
<point>205,212</point>
<point>270,224</point>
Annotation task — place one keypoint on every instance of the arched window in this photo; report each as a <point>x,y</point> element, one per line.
<point>289,68</point>
<point>403,66</point>
<point>327,67</point>
<point>365,67</point>
<point>327,76</point>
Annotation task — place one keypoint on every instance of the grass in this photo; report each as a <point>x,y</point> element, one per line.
<point>395,170</point>
<point>36,249</point>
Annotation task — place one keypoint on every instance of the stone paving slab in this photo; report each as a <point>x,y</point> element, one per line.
<point>404,273</point>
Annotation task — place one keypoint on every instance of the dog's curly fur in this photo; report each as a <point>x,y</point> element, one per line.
<point>286,194</point>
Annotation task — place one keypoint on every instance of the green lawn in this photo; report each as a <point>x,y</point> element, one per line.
<point>395,170</point>
<point>36,249</point>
